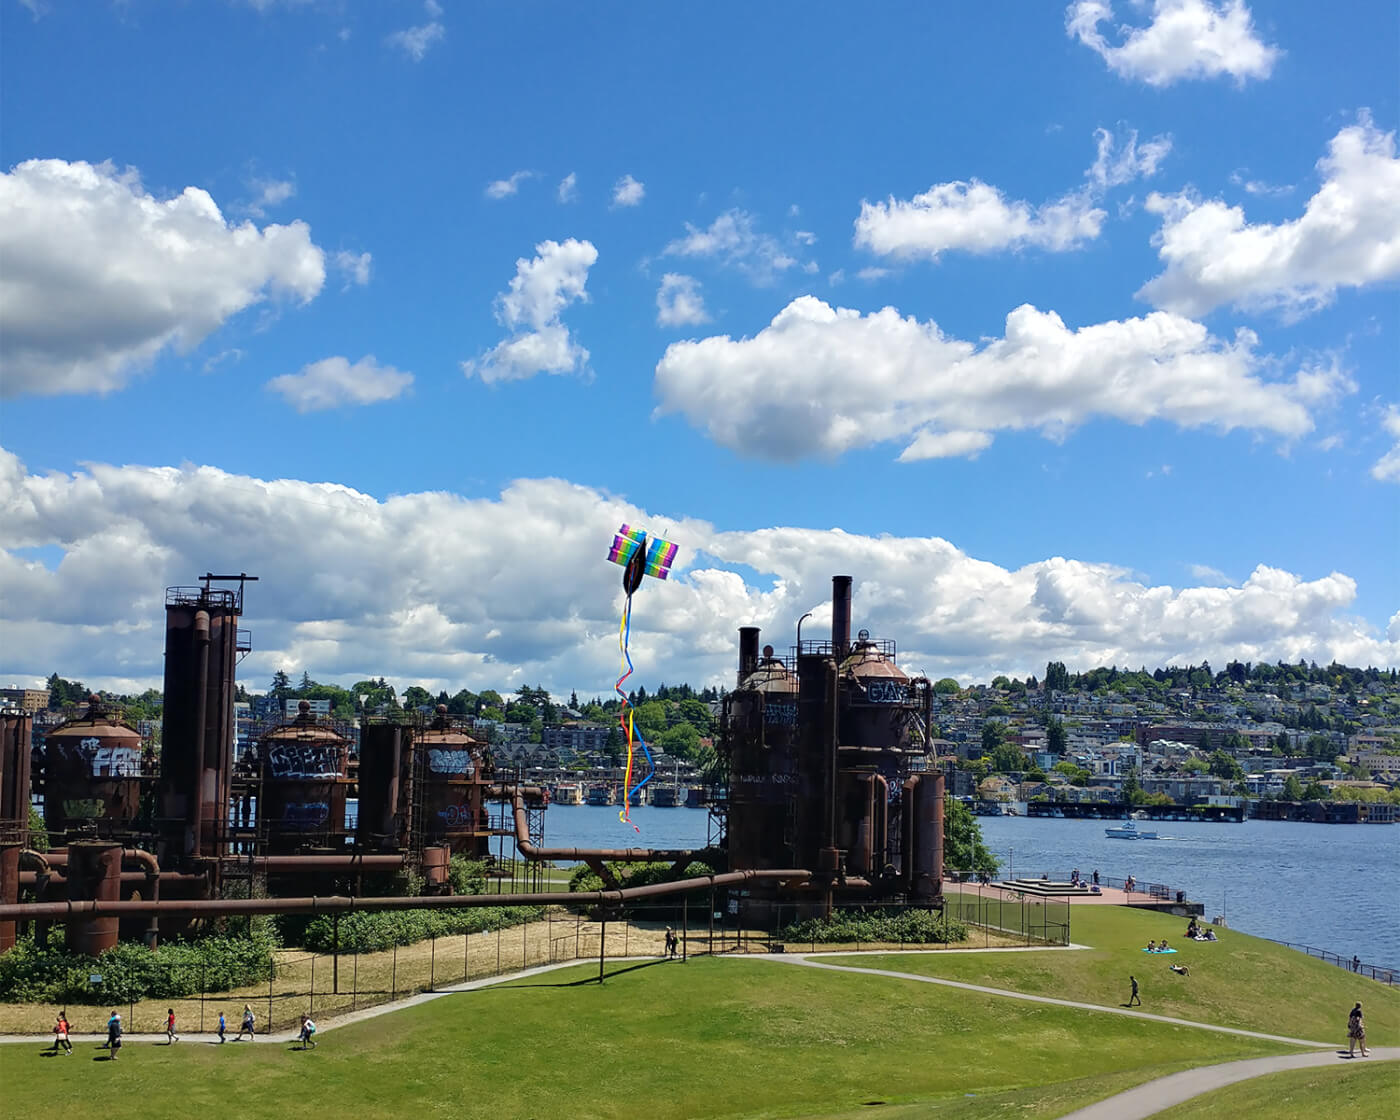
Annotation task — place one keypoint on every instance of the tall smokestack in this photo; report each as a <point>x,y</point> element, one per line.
<point>840,615</point>
<point>748,652</point>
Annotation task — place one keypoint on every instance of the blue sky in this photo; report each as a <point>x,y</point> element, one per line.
<point>1069,331</point>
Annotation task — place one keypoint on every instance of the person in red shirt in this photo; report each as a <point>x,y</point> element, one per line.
<point>170,1035</point>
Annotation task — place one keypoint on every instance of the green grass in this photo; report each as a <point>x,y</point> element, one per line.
<point>709,1038</point>
<point>1354,1090</point>
<point>1238,981</point>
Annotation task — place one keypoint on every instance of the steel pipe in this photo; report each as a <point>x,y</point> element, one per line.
<point>583,855</point>
<point>90,909</point>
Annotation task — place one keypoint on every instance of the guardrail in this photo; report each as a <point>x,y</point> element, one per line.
<point>1380,973</point>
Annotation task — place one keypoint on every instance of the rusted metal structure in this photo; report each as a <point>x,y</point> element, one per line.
<point>302,783</point>
<point>447,797</point>
<point>15,732</point>
<point>827,754</point>
<point>203,645</point>
<point>96,778</point>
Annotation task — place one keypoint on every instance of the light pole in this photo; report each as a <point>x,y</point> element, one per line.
<point>1011,864</point>
<point>800,621</point>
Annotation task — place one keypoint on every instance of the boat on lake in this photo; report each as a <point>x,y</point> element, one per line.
<point>1128,831</point>
<point>568,793</point>
<point>600,795</point>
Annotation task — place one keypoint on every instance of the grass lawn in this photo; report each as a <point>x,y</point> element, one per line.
<point>708,1038</point>
<point>1239,981</point>
<point>1353,1089</point>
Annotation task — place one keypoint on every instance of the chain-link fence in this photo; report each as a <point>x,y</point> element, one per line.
<point>702,923</point>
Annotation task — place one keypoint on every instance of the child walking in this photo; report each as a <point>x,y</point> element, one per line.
<point>222,1027</point>
<point>60,1034</point>
<point>170,1035</point>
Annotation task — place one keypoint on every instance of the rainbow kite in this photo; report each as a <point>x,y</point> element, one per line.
<point>630,549</point>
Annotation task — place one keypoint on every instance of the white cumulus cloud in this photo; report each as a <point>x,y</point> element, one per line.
<point>542,288</point>
<point>412,586</point>
<point>354,266</point>
<point>628,192</point>
<point>679,301</point>
<point>335,383</point>
<point>567,191</point>
<point>504,188</point>
<point>1347,236</point>
<point>734,240</point>
<point>1186,39</point>
<point>1387,467</point>
<point>416,41</point>
<point>821,380</point>
<point>100,276</point>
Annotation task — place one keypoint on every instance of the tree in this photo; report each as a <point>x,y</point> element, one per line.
<point>1315,791</point>
<point>993,735</point>
<point>1007,757</point>
<point>1293,789</point>
<point>1056,676</point>
<point>1056,740</point>
<point>416,696</point>
<point>306,683</point>
<point>963,849</point>
<point>281,686</point>
<point>1223,766</point>
<point>947,687</point>
<point>979,768</point>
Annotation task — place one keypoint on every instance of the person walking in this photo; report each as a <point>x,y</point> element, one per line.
<point>670,942</point>
<point>1356,1032</point>
<point>170,1035</point>
<point>222,1027</point>
<point>114,1034</point>
<point>246,1026</point>
<point>1134,998</point>
<point>308,1029</point>
<point>60,1034</point>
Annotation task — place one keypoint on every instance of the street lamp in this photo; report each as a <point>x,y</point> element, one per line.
<point>799,631</point>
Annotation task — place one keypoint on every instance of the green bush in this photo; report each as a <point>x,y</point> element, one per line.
<point>33,974</point>
<point>921,927</point>
<point>370,931</point>
<point>466,876</point>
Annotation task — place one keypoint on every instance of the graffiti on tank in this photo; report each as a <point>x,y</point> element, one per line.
<point>303,761</point>
<point>115,762</point>
<point>886,692</point>
<point>456,816</point>
<point>305,814</point>
<point>451,762</point>
<point>780,715</point>
<point>90,807</point>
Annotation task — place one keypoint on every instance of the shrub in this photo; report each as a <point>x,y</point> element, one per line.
<point>30,973</point>
<point>887,925</point>
<point>466,876</point>
<point>366,931</point>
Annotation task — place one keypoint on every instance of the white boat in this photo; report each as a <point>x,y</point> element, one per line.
<point>1128,831</point>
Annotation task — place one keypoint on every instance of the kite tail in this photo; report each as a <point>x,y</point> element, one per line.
<point>625,718</point>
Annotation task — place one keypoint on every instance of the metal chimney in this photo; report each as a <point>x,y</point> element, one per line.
<point>840,616</point>
<point>748,652</point>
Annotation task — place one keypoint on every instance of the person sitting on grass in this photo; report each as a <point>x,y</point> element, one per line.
<point>1162,948</point>
<point>1151,947</point>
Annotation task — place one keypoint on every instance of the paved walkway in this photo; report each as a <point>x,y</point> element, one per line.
<point>1153,1097</point>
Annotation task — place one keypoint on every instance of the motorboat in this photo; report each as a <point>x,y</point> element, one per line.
<point>1128,831</point>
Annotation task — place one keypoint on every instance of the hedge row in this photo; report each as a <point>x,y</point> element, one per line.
<point>368,932</point>
<point>890,926</point>
<point>33,974</point>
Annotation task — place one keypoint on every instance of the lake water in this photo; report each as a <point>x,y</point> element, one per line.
<point>1335,887</point>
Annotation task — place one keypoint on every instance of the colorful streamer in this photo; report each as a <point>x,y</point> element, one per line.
<point>629,548</point>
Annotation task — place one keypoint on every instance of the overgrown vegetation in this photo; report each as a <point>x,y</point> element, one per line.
<point>367,932</point>
<point>585,878</point>
<point>30,973</point>
<point>919,927</point>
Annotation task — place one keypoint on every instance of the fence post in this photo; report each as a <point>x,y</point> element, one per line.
<point>394,974</point>
<point>711,944</point>
<point>335,953</point>
<point>602,941</point>
<point>685,922</point>
<point>432,963</point>
<point>271,975</point>
<point>313,984</point>
<point>525,944</point>
<point>466,956</point>
<point>203,989</point>
<point>355,982</point>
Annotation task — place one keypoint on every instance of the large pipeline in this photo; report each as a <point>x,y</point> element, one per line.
<point>93,909</point>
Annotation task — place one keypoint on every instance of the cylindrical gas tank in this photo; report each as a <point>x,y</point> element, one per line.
<point>435,861</point>
<point>928,848</point>
<point>92,773</point>
<point>94,872</point>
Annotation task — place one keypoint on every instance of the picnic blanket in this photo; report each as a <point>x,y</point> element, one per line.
<point>1159,952</point>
